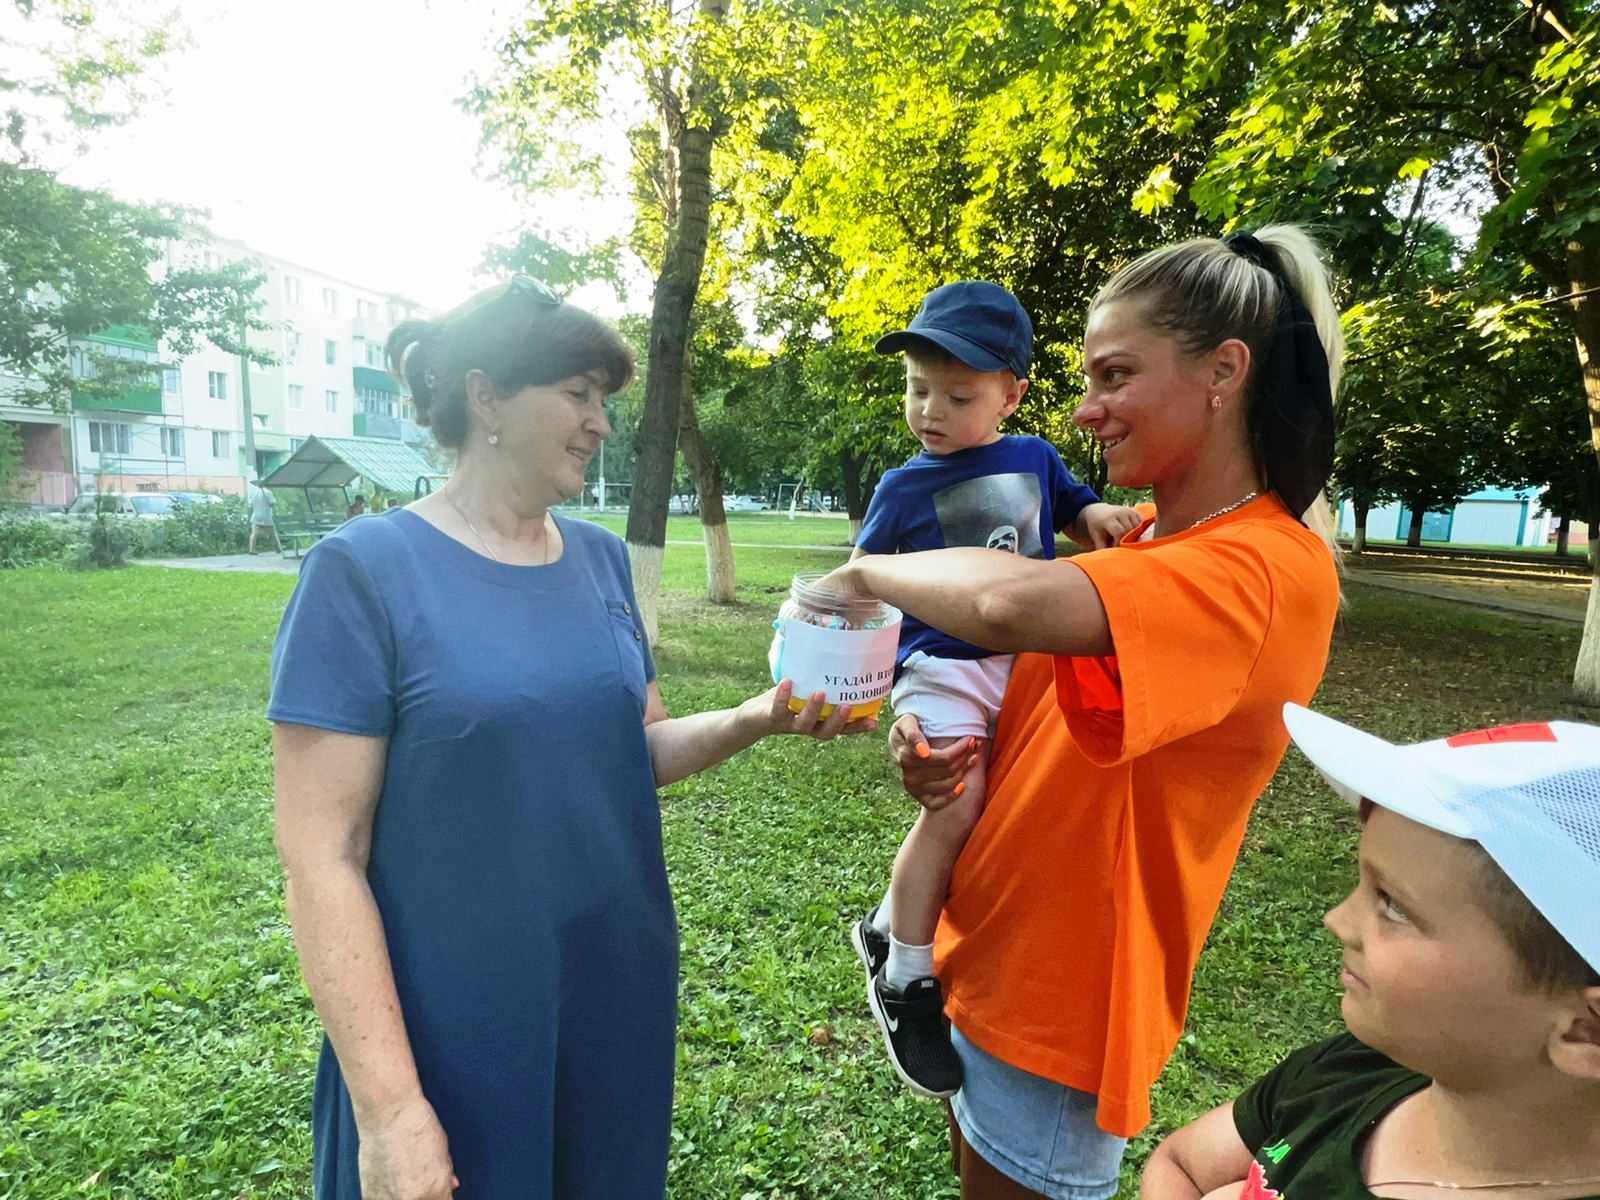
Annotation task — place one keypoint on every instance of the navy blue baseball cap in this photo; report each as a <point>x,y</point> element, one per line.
<point>980,323</point>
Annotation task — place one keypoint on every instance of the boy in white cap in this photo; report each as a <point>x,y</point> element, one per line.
<point>1471,987</point>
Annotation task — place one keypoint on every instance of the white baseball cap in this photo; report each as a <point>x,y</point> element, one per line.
<point>1528,794</point>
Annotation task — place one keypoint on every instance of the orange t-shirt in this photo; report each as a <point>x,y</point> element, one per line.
<point>1119,788</point>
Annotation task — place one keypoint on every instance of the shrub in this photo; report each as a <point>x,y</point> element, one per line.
<point>27,538</point>
<point>199,529</point>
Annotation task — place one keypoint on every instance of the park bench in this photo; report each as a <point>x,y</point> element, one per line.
<point>299,536</point>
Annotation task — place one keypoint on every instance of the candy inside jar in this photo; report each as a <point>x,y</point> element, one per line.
<point>841,645</point>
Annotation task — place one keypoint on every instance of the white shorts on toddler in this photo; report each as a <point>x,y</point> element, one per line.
<point>952,697</point>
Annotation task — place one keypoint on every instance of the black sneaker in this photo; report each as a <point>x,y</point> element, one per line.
<point>912,1023</point>
<point>872,947</point>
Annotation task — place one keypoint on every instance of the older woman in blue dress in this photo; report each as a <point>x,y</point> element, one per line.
<point>468,741</point>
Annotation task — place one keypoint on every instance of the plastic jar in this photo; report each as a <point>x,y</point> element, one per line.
<point>841,645</point>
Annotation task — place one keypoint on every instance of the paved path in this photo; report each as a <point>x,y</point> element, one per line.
<point>1543,612</point>
<point>269,562</point>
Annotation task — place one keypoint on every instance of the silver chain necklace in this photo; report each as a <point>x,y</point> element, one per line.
<point>1212,516</point>
<point>1510,1185</point>
<point>484,543</point>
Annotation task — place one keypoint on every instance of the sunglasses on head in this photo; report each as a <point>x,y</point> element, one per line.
<point>537,289</point>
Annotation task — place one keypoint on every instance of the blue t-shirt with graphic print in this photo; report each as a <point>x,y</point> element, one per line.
<point>1013,494</point>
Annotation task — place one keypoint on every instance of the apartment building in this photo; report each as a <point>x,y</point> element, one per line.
<point>185,430</point>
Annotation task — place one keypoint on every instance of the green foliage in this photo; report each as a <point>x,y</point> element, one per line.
<point>222,527</point>
<point>1562,125</point>
<point>869,152</point>
<point>558,265</point>
<point>10,459</point>
<point>109,540</point>
<point>27,539</point>
<point>1402,436</point>
<point>74,261</point>
<point>70,67</point>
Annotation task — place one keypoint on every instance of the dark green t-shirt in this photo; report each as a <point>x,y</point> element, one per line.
<point>1305,1120</point>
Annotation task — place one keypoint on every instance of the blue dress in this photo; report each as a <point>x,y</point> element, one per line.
<point>516,849</point>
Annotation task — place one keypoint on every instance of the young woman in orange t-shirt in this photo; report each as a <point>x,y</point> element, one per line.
<point>1141,722</point>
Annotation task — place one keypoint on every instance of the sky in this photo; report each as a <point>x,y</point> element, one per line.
<point>328,133</point>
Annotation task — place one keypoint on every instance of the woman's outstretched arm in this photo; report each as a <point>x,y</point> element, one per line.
<point>683,746</point>
<point>1002,602</point>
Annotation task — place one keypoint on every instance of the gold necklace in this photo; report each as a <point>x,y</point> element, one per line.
<point>1227,508</point>
<point>482,542</point>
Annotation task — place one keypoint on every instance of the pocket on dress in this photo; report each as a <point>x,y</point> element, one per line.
<point>630,648</point>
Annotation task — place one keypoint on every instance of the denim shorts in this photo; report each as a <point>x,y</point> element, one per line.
<point>1035,1131</point>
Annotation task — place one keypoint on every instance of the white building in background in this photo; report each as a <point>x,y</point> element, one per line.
<point>185,432</point>
<point>1489,517</point>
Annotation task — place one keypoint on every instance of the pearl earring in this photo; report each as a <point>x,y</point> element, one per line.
<point>494,439</point>
<point>1216,403</point>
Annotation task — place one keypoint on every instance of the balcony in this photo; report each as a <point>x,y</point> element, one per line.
<point>117,342</point>
<point>132,400</point>
<point>375,425</point>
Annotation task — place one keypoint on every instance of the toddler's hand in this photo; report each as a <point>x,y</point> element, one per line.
<point>1105,525</point>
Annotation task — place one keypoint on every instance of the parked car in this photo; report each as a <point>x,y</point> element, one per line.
<point>743,504</point>
<point>153,506</point>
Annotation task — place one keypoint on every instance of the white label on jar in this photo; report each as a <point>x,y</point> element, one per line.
<point>851,666</point>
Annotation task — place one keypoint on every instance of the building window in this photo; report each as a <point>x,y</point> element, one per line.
<point>216,385</point>
<point>293,343</point>
<point>374,354</point>
<point>295,444</point>
<point>291,289</point>
<point>331,399</point>
<point>108,437</point>
<point>330,302</point>
<point>170,381</point>
<point>378,404</point>
<point>219,444</point>
<point>171,441</point>
<point>408,410</point>
<point>297,395</point>
<point>330,352</point>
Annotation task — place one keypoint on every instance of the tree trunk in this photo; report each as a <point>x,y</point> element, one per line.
<point>1102,471</point>
<point>707,473</point>
<point>1361,508</point>
<point>670,311</point>
<point>1563,537</point>
<point>855,500</point>
<point>1414,534</point>
<point>1583,264</point>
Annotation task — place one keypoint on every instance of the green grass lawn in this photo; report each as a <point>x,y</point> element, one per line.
<point>753,528</point>
<point>155,1040</point>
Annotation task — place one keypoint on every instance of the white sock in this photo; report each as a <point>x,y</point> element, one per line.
<point>880,916</point>
<point>906,963</point>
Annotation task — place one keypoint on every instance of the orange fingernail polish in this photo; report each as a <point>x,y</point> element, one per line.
<point>960,787</point>
<point>922,750</point>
